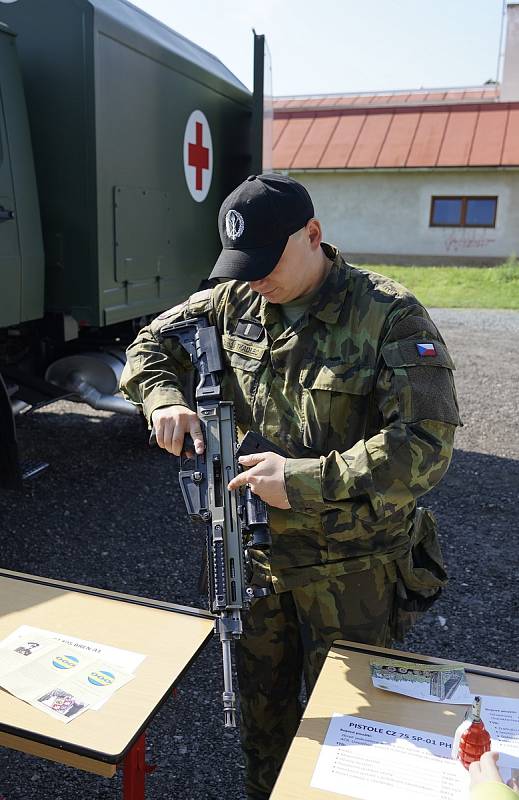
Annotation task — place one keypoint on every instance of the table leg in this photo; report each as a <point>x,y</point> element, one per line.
<point>135,770</point>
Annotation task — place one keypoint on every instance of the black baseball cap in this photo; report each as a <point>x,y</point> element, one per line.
<point>255,221</point>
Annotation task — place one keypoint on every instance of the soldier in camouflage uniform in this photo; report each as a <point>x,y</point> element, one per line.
<point>343,369</point>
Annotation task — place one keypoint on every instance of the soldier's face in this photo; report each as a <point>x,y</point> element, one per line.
<point>294,274</point>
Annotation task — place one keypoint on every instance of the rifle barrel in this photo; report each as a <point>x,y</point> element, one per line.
<point>228,695</point>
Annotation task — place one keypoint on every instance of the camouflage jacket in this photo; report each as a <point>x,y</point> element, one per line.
<point>367,420</point>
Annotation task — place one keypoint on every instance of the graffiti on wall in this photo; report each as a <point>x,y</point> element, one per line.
<point>456,242</point>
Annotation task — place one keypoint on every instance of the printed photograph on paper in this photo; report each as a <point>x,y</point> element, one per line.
<point>62,702</point>
<point>438,683</point>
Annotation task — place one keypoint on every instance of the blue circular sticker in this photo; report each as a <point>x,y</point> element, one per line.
<point>65,662</point>
<point>101,678</point>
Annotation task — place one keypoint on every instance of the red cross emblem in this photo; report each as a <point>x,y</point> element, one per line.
<point>198,155</point>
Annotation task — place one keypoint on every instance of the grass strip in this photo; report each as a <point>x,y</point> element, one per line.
<point>460,287</point>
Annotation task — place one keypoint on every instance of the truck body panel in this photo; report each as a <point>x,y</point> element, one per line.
<point>119,140</point>
<point>109,92</point>
<point>21,247</point>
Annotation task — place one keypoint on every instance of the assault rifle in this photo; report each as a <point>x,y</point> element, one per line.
<point>234,521</point>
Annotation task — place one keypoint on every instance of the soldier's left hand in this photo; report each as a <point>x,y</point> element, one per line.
<point>265,474</point>
<point>485,769</point>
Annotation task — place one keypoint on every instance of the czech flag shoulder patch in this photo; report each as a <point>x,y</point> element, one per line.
<point>426,349</point>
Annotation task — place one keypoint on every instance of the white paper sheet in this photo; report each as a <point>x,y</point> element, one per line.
<point>124,659</point>
<point>500,716</point>
<point>20,651</point>
<point>368,760</point>
<point>62,676</point>
<point>98,682</point>
<point>68,696</point>
<point>49,670</point>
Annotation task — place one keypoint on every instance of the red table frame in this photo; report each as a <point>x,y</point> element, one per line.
<point>135,770</point>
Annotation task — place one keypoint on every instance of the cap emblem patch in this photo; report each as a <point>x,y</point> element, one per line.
<point>426,349</point>
<point>234,224</point>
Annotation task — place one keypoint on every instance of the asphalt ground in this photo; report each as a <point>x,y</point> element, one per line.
<point>108,513</point>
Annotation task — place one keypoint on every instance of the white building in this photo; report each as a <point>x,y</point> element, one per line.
<point>419,176</point>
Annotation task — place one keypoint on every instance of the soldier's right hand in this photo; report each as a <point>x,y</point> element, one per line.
<point>172,424</point>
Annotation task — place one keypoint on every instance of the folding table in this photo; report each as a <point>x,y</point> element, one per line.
<point>169,635</point>
<point>345,687</point>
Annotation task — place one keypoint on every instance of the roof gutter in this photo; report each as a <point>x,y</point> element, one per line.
<point>299,170</point>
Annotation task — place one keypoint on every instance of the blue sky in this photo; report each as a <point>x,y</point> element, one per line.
<point>346,45</point>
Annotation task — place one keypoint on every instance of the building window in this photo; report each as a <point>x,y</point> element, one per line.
<point>463,212</point>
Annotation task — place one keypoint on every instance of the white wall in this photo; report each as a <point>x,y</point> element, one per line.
<point>386,214</point>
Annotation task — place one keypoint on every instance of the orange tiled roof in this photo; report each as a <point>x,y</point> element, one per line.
<point>422,128</point>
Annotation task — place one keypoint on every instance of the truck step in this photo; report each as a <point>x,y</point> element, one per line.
<point>32,390</point>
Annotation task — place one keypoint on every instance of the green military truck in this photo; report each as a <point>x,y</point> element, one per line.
<point>119,139</point>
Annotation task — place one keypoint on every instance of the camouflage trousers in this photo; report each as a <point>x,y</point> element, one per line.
<point>287,636</point>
